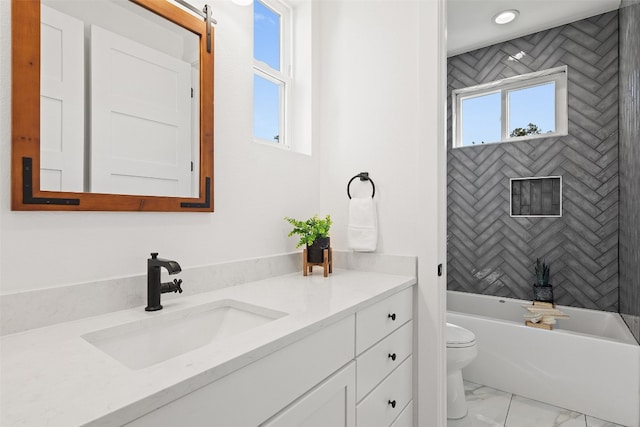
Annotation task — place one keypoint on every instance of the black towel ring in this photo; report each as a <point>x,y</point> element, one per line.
<point>364,176</point>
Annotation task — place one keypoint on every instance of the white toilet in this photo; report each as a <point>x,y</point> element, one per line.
<point>461,350</point>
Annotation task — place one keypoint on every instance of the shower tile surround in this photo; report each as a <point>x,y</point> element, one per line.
<point>490,252</point>
<point>630,165</point>
<point>22,311</point>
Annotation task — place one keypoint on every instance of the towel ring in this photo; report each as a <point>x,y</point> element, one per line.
<point>364,176</point>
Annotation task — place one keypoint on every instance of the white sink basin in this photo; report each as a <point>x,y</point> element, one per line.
<point>143,343</point>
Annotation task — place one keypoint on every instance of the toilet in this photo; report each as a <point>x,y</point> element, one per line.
<point>461,350</point>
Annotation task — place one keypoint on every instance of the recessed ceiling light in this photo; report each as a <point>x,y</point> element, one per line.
<point>506,16</point>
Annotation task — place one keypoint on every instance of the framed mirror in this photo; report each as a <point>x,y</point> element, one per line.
<point>112,106</point>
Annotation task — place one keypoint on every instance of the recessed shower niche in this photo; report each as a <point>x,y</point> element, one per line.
<point>536,196</point>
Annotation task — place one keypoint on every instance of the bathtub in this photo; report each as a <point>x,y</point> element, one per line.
<point>589,363</point>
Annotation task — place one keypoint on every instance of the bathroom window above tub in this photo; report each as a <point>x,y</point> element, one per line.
<point>513,109</point>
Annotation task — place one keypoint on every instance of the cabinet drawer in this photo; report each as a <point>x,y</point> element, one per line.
<point>375,322</point>
<point>377,362</point>
<point>406,417</point>
<point>386,402</point>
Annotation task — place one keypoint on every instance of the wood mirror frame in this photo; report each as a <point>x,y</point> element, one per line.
<point>25,123</point>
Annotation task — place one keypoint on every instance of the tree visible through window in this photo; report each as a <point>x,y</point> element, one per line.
<point>532,110</point>
<point>530,130</point>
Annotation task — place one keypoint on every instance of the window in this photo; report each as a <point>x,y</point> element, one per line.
<point>271,80</point>
<point>517,108</point>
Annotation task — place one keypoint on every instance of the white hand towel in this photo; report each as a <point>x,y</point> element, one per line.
<point>362,231</point>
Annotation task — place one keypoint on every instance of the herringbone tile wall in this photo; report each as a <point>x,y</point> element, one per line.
<point>491,253</point>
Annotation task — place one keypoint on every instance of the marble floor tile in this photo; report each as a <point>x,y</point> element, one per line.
<point>462,422</point>
<point>530,413</point>
<point>595,422</point>
<point>487,406</point>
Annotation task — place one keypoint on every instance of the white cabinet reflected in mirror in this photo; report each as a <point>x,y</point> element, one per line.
<point>119,100</point>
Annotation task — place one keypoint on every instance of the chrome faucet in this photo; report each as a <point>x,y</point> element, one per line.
<point>154,287</point>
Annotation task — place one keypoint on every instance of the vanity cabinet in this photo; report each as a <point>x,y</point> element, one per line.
<point>355,372</point>
<point>384,362</point>
<point>382,375</point>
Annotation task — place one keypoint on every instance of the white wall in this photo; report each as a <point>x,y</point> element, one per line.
<point>255,187</point>
<point>382,102</point>
<point>368,115</point>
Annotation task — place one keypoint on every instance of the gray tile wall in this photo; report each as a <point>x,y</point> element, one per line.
<point>491,253</point>
<point>630,165</point>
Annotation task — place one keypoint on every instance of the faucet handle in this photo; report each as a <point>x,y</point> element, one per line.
<point>177,283</point>
<point>171,286</point>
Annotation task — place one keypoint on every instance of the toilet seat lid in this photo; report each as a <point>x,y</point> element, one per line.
<point>459,337</point>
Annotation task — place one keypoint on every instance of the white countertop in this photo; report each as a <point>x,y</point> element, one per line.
<point>51,376</point>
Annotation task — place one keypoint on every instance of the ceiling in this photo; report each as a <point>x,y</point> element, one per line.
<point>470,25</point>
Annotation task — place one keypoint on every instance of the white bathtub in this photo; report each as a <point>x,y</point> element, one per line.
<point>589,363</point>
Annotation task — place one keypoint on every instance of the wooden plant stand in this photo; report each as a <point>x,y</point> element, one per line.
<point>327,263</point>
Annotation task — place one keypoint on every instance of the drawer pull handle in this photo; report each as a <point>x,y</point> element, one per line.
<point>392,356</point>
<point>392,316</point>
<point>392,403</point>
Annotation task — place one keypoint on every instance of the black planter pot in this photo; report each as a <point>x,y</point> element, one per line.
<point>315,250</point>
<point>543,293</point>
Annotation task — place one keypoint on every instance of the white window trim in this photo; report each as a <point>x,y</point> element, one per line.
<point>557,75</point>
<point>282,77</point>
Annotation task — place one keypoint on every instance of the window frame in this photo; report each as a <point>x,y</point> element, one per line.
<point>282,77</point>
<point>556,75</point>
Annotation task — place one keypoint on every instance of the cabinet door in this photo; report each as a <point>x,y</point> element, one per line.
<point>331,403</point>
<point>254,393</point>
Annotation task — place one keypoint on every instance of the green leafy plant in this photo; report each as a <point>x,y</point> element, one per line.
<point>310,229</point>
<point>542,272</point>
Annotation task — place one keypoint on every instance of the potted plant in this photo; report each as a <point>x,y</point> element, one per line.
<point>542,290</point>
<point>314,233</point>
